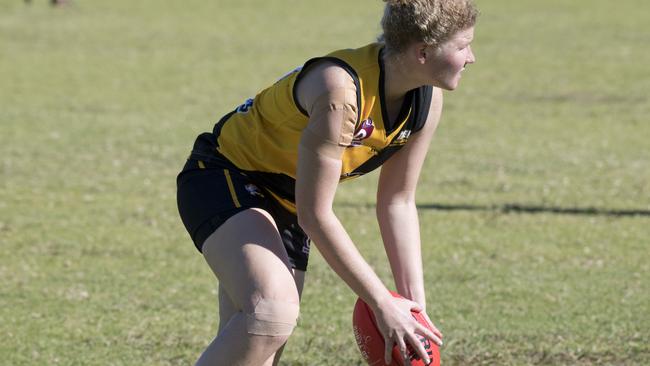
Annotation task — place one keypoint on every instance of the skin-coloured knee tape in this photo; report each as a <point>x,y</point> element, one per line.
<point>272,318</point>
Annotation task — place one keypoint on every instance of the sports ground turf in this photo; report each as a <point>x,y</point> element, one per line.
<point>535,199</point>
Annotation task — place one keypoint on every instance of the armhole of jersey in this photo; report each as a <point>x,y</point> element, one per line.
<point>344,65</point>
<point>422,105</point>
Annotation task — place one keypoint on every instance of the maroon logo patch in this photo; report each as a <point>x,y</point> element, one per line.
<point>363,132</point>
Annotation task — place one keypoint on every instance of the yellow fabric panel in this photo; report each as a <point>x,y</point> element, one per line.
<point>231,188</point>
<point>264,137</point>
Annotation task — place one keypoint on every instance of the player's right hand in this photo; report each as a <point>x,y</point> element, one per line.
<point>398,326</point>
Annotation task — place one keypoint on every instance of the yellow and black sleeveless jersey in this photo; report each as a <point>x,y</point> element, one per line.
<point>261,136</point>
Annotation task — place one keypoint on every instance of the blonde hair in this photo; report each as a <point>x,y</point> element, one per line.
<point>430,21</point>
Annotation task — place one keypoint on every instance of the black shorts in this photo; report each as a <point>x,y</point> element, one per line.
<point>209,193</point>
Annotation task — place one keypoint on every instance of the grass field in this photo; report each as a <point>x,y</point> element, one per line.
<point>535,200</point>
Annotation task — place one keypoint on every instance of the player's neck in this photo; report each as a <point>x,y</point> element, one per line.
<point>398,79</point>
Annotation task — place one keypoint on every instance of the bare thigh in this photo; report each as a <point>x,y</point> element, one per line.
<point>247,256</point>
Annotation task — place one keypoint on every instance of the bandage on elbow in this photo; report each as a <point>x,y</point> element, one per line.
<point>272,318</point>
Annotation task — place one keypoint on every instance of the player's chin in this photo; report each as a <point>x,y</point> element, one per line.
<point>450,84</point>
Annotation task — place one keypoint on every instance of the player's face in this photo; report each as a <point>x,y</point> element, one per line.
<point>450,58</point>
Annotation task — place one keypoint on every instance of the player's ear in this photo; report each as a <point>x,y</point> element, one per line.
<point>422,53</point>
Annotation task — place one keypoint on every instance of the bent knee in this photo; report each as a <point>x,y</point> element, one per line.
<point>272,317</point>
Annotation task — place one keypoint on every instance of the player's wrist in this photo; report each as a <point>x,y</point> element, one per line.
<point>381,302</point>
<point>414,293</point>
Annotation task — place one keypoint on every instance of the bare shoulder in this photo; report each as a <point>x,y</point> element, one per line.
<point>436,101</point>
<point>319,78</point>
<point>435,109</point>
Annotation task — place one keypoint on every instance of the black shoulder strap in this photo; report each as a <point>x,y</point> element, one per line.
<point>421,106</point>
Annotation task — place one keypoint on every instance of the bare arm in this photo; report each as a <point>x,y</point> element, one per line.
<point>324,92</point>
<point>396,209</point>
<point>318,173</point>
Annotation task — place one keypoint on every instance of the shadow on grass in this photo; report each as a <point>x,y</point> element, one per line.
<point>534,209</point>
<point>524,209</point>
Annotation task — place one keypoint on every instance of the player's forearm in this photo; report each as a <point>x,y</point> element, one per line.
<point>341,254</point>
<point>400,232</point>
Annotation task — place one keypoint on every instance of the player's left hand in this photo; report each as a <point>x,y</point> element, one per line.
<point>433,326</point>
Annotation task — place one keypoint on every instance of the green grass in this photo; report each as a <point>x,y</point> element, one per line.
<point>99,105</point>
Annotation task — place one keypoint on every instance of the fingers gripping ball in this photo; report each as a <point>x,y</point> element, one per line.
<point>371,343</point>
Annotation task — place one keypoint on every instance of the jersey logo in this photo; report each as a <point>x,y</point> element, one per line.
<point>253,190</point>
<point>401,138</point>
<point>246,106</point>
<point>305,247</point>
<point>404,135</point>
<point>363,132</point>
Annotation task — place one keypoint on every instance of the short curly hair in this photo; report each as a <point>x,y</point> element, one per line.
<point>430,21</point>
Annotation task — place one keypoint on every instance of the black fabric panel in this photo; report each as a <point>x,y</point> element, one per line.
<point>421,106</point>
<point>205,145</point>
<point>278,183</point>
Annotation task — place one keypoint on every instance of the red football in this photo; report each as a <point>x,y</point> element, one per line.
<point>371,343</point>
